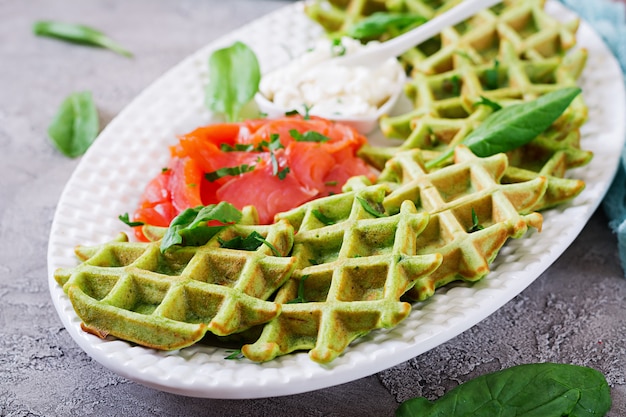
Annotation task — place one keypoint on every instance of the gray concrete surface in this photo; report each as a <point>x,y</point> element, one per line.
<point>574,313</point>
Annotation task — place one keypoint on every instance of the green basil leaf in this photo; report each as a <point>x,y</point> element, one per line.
<point>190,227</point>
<point>234,76</point>
<point>532,390</point>
<point>76,125</point>
<point>380,23</point>
<point>79,34</point>
<point>515,125</point>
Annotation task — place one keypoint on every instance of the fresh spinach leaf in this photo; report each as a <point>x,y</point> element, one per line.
<point>79,34</point>
<point>515,125</point>
<point>234,76</point>
<point>532,390</point>
<point>379,23</point>
<point>190,227</point>
<point>76,125</point>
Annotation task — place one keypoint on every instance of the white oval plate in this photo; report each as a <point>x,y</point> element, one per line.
<point>133,148</point>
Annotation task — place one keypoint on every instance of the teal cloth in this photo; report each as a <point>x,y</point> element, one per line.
<point>608,18</point>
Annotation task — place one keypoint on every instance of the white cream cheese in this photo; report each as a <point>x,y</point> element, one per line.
<point>327,89</point>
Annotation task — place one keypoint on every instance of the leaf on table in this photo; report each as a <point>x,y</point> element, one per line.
<point>76,125</point>
<point>80,34</point>
<point>532,390</point>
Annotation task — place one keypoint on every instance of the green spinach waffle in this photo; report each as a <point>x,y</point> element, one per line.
<point>354,263</point>
<point>507,54</point>
<point>169,300</point>
<point>347,264</point>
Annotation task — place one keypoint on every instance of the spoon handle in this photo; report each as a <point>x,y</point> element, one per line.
<point>398,45</point>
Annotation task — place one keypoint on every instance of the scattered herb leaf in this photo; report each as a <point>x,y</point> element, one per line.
<point>337,48</point>
<point>322,217</point>
<point>190,227</point>
<point>79,34</point>
<point>476,226</point>
<point>234,355</point>
<point>282,174</point>
<point>331,183</point>
<point>453,84</point>
<point>379,23</point>
<point>228,171</point>
<point>249,243</point>
<point>514,125</point>
<point>239,147</point>
<point>76,125</point>
<point>484,101</point>
<point>308,136</point>
<point>492,76</point>
<point>539,389</point>
<point>234,76</point>
<point>300,298</point>
<point>126,219</point>
<point>368,207</point>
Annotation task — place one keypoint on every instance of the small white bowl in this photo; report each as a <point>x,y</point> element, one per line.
<point>363,124</point>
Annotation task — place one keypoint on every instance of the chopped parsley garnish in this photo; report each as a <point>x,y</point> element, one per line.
<point>281,174</point>
<point>455,84</point>
<point>322,217</point>
<point>368,208</point>
<point>305,116</point>
<point>491,76</point>
<point>337,48</point>
<point>300,298</point>
<point>486,102</point>
<point>228,171</point>
<point>308,136</point>
<point>234,354</point>
<point>239,147</point>
<point>126,219</point>
<point>476,226</point>
<point>250,243</point>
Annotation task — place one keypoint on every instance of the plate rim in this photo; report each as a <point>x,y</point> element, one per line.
<point>326,376</point>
